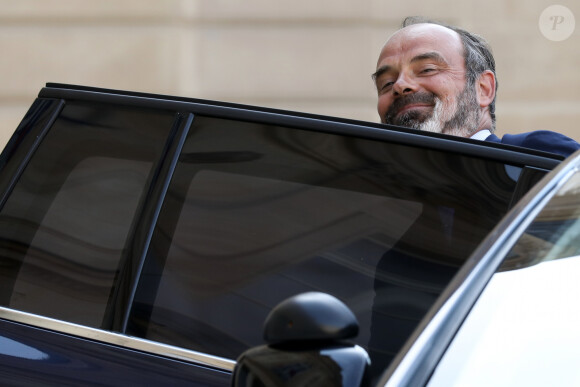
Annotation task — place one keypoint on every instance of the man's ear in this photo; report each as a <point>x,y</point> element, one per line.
<point>485,88</point>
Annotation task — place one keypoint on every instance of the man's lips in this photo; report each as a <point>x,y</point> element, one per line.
<point>416,106</point>
<point>412,106</point>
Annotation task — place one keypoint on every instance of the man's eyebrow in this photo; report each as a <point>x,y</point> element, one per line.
<point>429,56</point>
<point>425,56</point>
<point>380,71</point>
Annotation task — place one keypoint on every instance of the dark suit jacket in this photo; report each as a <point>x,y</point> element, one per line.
<point>543,140</point>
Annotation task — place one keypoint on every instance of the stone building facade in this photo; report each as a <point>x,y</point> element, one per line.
<point>307,55</point>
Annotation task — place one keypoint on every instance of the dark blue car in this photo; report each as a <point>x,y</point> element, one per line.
<point>144,238</point>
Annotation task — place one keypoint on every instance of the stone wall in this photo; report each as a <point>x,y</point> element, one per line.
<point>307,55</point>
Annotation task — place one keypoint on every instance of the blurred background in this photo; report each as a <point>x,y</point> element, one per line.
<point>315,56</point>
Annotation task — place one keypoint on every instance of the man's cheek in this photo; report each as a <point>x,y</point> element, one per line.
<point>382,108</point>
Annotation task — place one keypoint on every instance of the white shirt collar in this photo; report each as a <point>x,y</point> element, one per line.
<point>481,135</point>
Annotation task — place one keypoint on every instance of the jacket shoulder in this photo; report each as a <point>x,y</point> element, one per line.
<point>543,140</point>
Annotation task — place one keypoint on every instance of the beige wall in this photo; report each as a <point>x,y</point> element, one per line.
<point>307,55</point>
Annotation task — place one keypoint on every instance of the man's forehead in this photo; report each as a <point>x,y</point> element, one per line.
<point>423,37</point>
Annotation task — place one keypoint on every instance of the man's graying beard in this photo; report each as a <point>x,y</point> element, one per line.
<point>459,120</point>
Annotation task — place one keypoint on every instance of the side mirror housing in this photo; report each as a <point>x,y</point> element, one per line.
<point>306,346</point>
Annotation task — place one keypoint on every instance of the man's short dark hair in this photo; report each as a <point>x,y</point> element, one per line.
<point>476,53</point>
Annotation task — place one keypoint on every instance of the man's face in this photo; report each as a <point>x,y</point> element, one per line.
<point>421,84</point>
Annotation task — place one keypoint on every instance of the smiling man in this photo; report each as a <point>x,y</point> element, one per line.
<point>442,79</point>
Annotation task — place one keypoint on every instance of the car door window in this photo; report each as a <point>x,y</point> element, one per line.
<point>256,213</point>
<point>64,229</point>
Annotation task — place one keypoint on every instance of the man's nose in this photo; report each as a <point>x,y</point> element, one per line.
<point>403,86</point>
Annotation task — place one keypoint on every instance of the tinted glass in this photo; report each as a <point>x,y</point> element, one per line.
<point>257,213</point>
<point>65,227</point>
